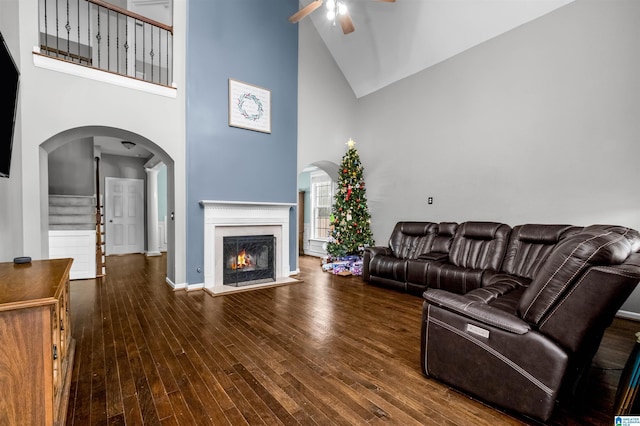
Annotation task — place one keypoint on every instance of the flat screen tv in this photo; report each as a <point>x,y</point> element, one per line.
<point>8,104</point>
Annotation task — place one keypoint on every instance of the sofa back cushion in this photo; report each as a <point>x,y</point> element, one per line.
<point>530,245</point>
<point>444,237</point>
<point>409,239</point>
<point>597,245</point>
<point>479,245</point>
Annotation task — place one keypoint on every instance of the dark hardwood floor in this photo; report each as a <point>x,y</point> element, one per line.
<point>329,350</point>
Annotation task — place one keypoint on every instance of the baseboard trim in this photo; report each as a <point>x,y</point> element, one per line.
<point>175,286</point>
<point>628,315</point>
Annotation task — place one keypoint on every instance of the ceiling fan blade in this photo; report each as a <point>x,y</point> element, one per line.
<point>346,23</point>
<point>305,11</point>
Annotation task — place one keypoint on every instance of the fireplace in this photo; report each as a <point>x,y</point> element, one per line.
<point>223,219</point>
<point>248,260</point>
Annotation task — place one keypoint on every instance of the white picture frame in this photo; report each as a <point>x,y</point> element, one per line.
<point>249,106</point>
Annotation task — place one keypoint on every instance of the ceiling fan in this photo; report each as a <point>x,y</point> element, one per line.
<point>336,9</point>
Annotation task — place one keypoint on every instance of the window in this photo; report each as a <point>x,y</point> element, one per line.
<point>321,200</point>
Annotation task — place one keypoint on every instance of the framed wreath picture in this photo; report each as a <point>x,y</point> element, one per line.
<point>249,106</point>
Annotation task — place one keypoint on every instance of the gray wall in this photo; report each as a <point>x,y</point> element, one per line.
<point>11,221</point>
<point>71,169</point>
<point>327,105</point>
<point>538,125</point>
<point>121,167</point>
<point>304,184</point>
<point>162,193</point>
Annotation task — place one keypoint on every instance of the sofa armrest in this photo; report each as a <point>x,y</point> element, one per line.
<point>477,310</point>
<point>379,250</point>
<point>370,253</point>
<point>434,256</point>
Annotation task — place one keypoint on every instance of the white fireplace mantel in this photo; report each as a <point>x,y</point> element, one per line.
<point>224,218</point>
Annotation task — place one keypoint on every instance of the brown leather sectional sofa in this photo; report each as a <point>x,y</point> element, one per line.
<point>512,316</point>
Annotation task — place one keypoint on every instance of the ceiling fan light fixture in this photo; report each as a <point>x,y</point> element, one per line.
<point>336,11</point>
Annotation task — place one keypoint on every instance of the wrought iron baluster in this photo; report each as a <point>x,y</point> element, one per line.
<point>108,39</point>
<point>79,44</point>
<point>151,41</point>
<point>68,28</point>
<point>144,53</point>
<point>57,32</point>
<point>126,46</point>
<point>89,31</point>
<point>151,54</point>
<point>118,43</point>
<point>46,29</point>
<point>159,56</point>
<point>98,36</point>
<point>135,49</point>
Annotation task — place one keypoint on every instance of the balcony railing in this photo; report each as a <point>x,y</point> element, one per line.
<point>100,35</point>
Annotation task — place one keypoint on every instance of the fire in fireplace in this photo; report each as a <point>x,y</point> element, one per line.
<point>248,260</point>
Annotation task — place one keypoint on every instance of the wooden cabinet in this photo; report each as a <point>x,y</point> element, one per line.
<point>36,347</point>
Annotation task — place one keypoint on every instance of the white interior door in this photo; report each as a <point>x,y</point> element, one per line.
<point>124,215</point>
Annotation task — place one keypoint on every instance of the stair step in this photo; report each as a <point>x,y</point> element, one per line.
<point>72,218</point>
<point>72,210</point>
<point>71,200</point>
<point>70,227</point>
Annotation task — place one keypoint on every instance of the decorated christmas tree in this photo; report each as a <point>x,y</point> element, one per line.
<point>350,230</point>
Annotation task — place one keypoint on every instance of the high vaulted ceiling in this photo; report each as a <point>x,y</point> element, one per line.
<point>394,40</point>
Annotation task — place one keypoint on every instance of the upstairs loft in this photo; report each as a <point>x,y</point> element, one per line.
<point>96,39</point>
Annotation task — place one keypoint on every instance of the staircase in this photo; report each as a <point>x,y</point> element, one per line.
<point>76,231</point>
<point>72,212</point>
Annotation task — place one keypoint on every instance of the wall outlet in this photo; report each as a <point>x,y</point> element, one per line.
<point>430,200</point>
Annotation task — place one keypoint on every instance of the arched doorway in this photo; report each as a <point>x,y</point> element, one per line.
<point>100,136</point>
<point>316,189</point>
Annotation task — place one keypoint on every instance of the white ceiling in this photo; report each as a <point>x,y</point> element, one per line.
<point>395,40</point>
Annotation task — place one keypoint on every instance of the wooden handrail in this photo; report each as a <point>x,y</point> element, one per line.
<point>131,14</point>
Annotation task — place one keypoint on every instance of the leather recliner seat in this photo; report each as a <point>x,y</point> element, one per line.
<point>520,331</point>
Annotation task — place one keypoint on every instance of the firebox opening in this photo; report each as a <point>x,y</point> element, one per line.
<point>249,260</point>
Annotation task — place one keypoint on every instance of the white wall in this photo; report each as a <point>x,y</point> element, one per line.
<point>53,102</point>
<point>539,125</point>
<point>326,103</point>
<point>11,189</point>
